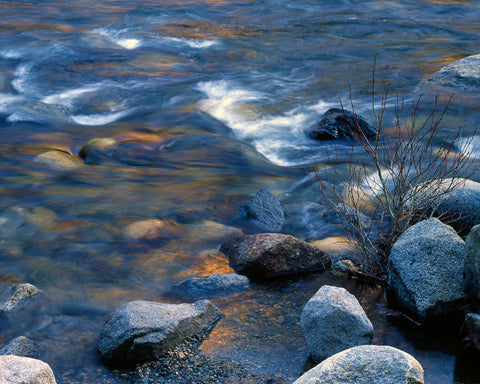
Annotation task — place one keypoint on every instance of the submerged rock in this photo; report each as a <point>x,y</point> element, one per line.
<point>461,205</point>
<point>264,210</point>
<point>425,269</point>
<point>140,331</point>
<point>17,295</point>
<point>333,321</point>
<point>337,123</point>
<point>59,160</point>
<point>217,283</point>
<point>21,346</point>
<point>151,229</point>
<point>366,364</point>
<point>462,74</point>
<point>272,254</point>
<point>24,370</point>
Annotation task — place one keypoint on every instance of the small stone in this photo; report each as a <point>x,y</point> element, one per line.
<point>217,283</point>
<point>344,265</point>
<point>21,346</point>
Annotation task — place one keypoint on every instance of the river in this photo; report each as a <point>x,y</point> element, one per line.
<point>210,101</point>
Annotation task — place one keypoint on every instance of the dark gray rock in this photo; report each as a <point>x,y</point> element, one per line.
<point>218,283</point>
<point>140,331</point>
<point>337,123</point>
<point>425,269</point>
<point>333,321</point>
<point>366,364</point>
<point>21,346</point>
<point>471,328</point>
<point>472,264</point>
<point>271,254</point>
<point>24,370</point>
<point>17,295</point>
<point>463,74</point>
<point>264,210</point>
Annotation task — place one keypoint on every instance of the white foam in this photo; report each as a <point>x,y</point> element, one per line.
<point>6,100</point>
<point>99,119</point>
<point>120,38</point>
<point>374,185</point>
<point>470,146</point>
<point>21,75</point>
<point>128,43</point>
<point>227,103</point>
<point>11,53</point>
<point>193,43</point>
<point>272,135</point>
<point>66,98</point>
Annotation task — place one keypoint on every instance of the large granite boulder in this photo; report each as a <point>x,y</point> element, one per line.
<point>337,123</point>
<point>271,254</point>
<point>366,364</point>
<point>463,74</point>
<point>425,269</point>
<point>140,331</point>
<point>218,283</point>
<point>264,210</point>
<point>21,346</point>
<point>24,370</point>
<point>472,264</point>
<point>333,321</point>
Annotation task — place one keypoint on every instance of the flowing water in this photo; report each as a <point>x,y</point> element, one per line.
<point>195,106</point>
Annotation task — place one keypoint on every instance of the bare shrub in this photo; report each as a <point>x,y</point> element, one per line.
<point>394,180</point>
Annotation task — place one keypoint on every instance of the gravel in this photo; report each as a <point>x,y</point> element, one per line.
<point>187,364</point>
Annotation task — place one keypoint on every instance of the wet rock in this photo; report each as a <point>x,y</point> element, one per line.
<point>24,370</point>
<point>333,321</point>
<point>218,283</point>
<point>337,123</point>
<point>472,264</point>
<point>366,364</point>
<point>140,331</point>
<point>425,269</point>
<point>59,160</point>
<point>264,210</point>
<point>151,229</point>
<point>16,296</point>
<point>344,265</point>
<point>21,346</point>
<point>272,254</point>
<point>472,329</point>
<point>463,74</point>
<point>97,150</point>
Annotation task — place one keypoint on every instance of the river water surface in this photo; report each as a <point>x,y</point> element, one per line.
<point>204,103</point>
